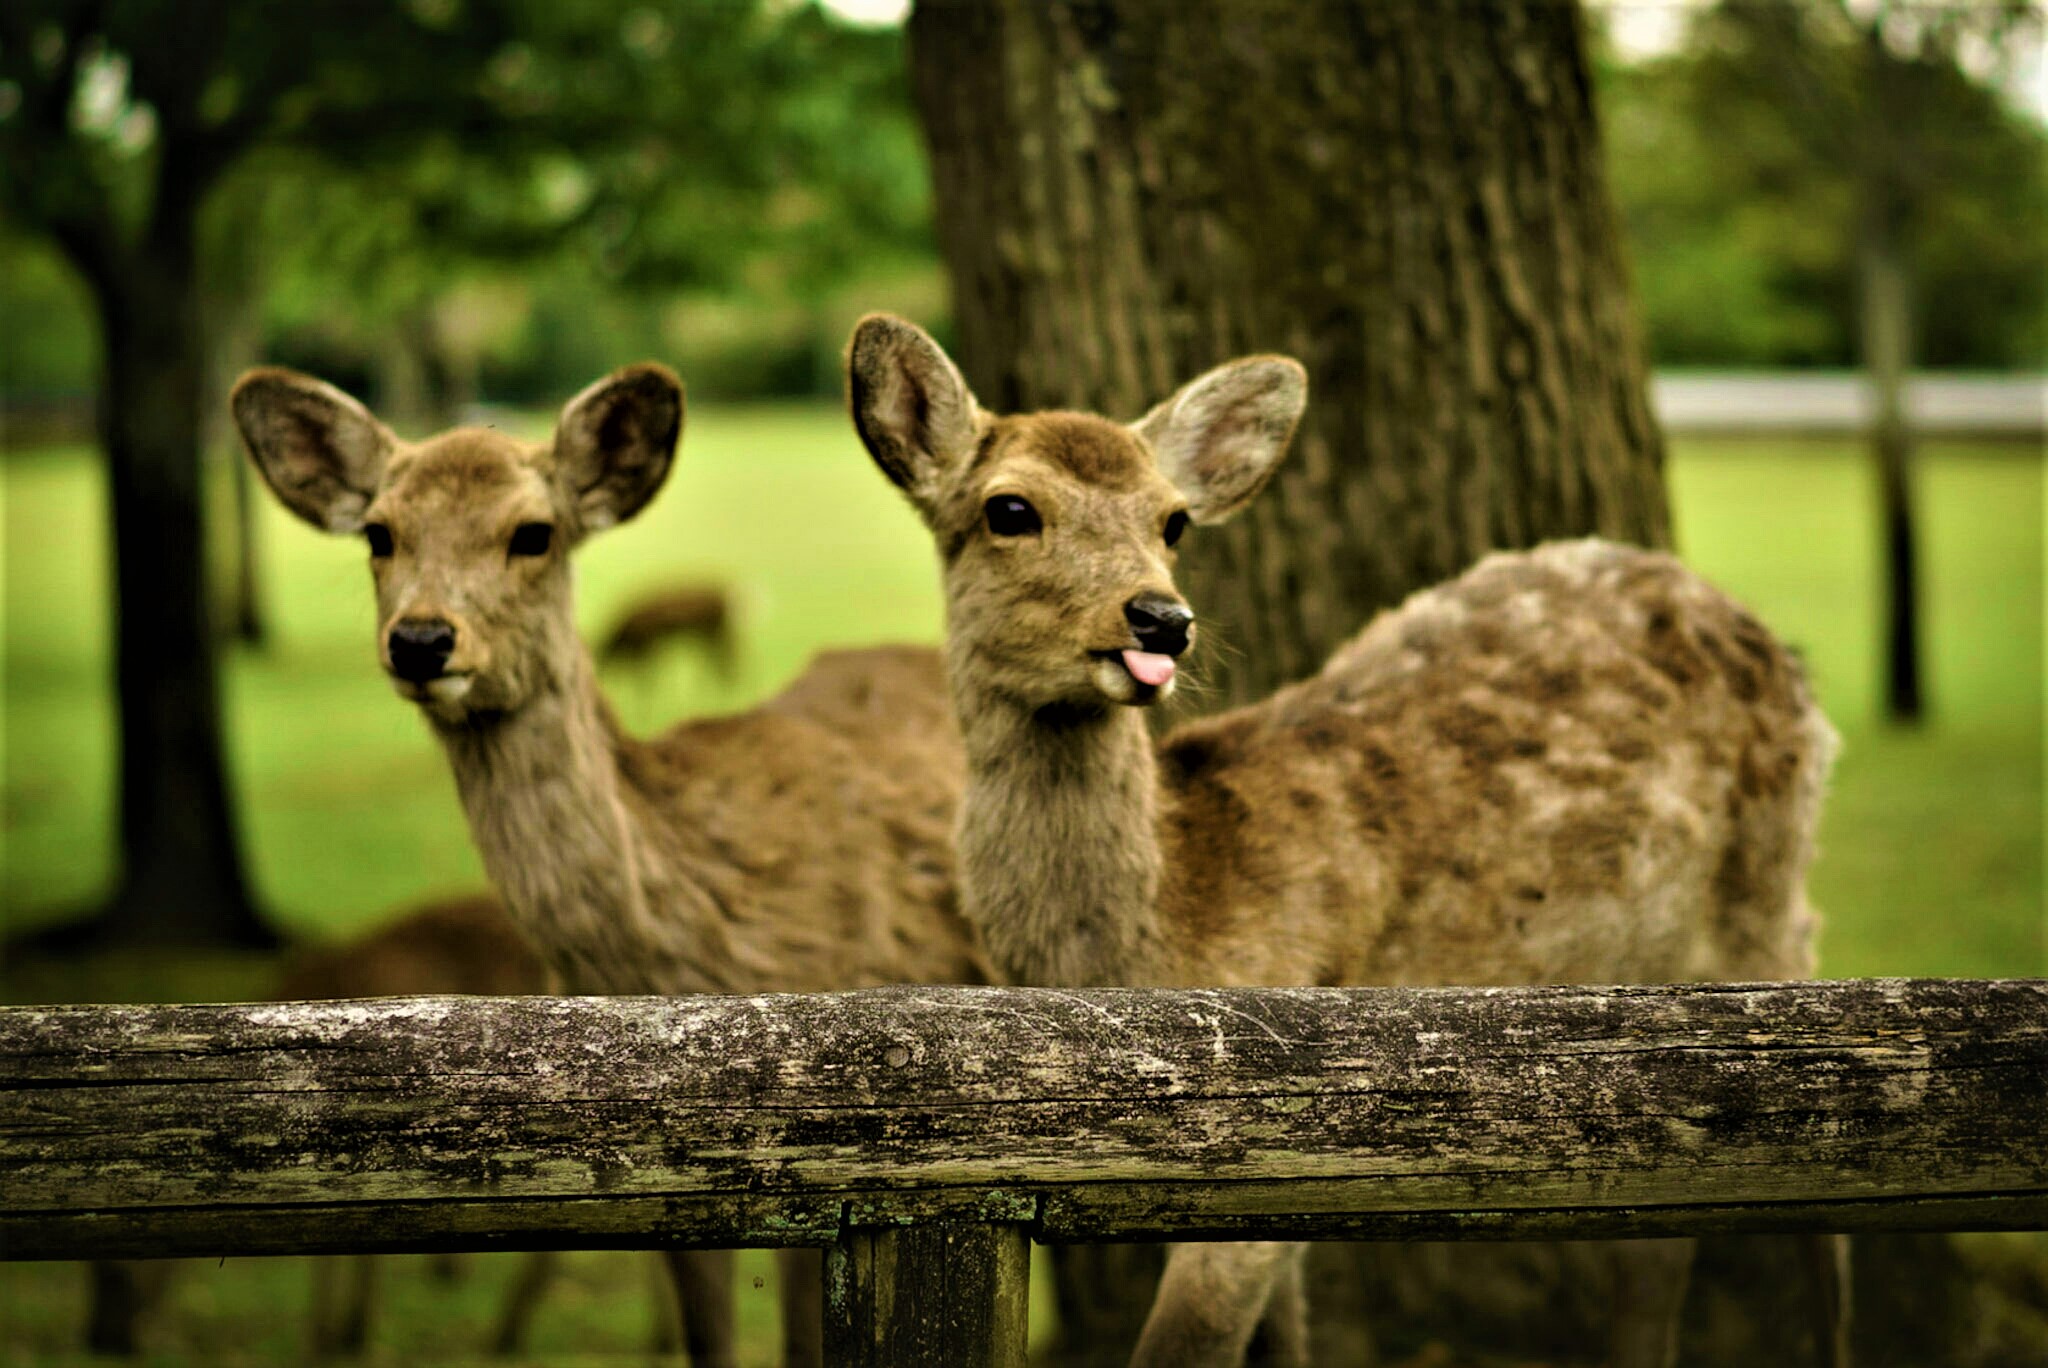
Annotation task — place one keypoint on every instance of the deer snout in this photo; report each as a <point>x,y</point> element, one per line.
<point>419,648</point>
<point>1161,625</point>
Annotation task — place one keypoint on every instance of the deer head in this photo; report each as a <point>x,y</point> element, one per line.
<point>1057,531</point>
<point>469,531</point>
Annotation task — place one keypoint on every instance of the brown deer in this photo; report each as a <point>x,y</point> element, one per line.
<point>799,847</point>
<point>1578,764</point>
<point>684,613</point>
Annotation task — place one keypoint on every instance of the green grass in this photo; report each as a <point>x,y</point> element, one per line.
<point>1932,846</point>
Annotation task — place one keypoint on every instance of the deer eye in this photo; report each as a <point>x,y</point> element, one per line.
<point>1176,524</point>
<point>532,539</point>
<point>379,537</point>
<point>1010,516</point>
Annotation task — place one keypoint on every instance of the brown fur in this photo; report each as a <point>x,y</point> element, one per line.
<point>801,846</point>
<point>452,945</point>
<point>690,612</point>
<point>1577,764</point>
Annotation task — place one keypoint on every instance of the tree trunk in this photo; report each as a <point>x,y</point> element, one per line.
<point>1885,297</point>
<point>182,876</point>
<point>233,336</point>
<point>1407,197</point>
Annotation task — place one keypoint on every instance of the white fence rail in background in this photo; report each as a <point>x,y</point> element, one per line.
<point>1739,403</point>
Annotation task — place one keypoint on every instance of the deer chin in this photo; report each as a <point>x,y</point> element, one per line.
<point>443,697</point>
<point>1135,678</point>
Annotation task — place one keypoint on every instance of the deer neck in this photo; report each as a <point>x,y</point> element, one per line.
<point>566,839</point>
<point>1058,843</point>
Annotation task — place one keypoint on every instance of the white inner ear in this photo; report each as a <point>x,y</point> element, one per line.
<point>323,450</point>
<point>950,414</point>
<point>1219,437</point>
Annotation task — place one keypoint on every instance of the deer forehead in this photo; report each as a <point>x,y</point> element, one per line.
<point>470,480</point>
<point>1089,449</point>
<point>1071,464</point>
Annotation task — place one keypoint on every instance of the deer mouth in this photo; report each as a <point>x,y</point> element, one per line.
<point>445,690</point>
<point>1129,675</point>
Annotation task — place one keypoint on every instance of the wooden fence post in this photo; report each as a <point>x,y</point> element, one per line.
<point>940,1292</point>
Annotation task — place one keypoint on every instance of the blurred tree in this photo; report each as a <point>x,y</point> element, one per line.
<point>666,143</point>
<point>1412,203</point>
<point>1832,184</point>
<point>1744,238</point>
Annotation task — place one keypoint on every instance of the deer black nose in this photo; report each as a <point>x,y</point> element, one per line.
<point>1160,624</point>
<point>420,648</point>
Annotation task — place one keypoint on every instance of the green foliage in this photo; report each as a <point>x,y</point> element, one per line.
<point>450,185</point>
<point>1748,163</point>
<point>47,344</point>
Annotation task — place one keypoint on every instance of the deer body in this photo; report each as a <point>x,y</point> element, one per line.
<point>1580,763</point>
<point>771,851</point>
<point>691,612</point>
<point>801,846</point>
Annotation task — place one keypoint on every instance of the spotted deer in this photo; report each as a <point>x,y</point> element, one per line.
<point>802,846</point>
<point>1576,764</point>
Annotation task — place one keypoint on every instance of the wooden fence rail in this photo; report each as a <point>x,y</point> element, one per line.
<point>930,1132</point>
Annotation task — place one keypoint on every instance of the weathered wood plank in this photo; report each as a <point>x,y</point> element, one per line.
<point>951,1292</point>
<point>443,1123</point>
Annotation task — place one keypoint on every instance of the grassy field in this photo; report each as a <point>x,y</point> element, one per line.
<point>1932,848</point>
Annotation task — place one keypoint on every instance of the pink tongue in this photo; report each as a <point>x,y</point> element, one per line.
<point>1147,668</point>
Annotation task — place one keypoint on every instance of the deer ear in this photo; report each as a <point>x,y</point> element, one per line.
<point>1221,435</point>
<point>320,451</point>
<point>615,442</point>
<point>914,413</point>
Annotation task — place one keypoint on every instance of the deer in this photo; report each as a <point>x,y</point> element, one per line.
<point>801,846</point>
<point>1579,763</point>
<point>681,613</point>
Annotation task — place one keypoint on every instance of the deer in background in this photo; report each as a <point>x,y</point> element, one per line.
<point>799,847</point>
<point>451,945</point>
<point>685,613</point>
<point>1578,764</point>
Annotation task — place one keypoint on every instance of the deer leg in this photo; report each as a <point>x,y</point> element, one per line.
<point>803,1319</point>
<point>124,1293</point>
<point>703,1280</point>
<point>1833,1297</point>
<point>354,1331</point>
<point>1209,1302</point>
<point>343,1287</point>
<point>515,1317</point>
<point>1282,1339</point>
<point>666,1336</point>
<point>1650,1277</point>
